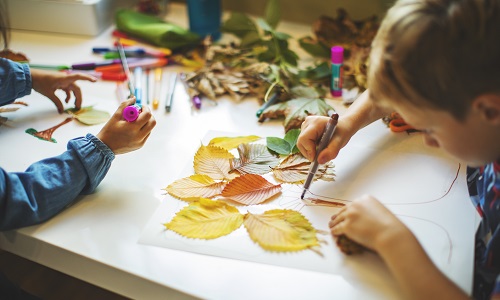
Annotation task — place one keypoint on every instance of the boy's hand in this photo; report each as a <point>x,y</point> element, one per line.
<point>122,136</point>
<point>369,223</point>
<point>310,134</point>
<point>47,83</point>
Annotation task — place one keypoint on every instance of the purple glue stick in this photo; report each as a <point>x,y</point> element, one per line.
<point>337,71</point>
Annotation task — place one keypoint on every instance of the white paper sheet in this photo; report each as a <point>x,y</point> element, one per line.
<point>427,192</point>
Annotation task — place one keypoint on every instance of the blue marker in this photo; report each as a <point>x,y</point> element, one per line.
<point>131,113</point>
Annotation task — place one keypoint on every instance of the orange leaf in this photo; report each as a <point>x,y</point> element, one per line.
<point>250,189</point>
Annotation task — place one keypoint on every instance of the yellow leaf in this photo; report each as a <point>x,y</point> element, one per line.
<point>213,161</point>
<point>229,143</point>
<point>195,186</point>
<point>206,219</point>
<point>250,189</point>
<point>281,230</point>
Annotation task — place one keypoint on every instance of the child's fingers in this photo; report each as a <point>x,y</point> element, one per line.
<point>80,76</point>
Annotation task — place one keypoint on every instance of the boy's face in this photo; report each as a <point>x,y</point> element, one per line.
<point>468,141</point>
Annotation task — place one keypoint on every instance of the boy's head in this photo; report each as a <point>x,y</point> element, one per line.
<point>440,54</point>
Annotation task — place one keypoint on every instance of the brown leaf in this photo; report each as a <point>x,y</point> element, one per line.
<point>295,168</point>
<point>250,189</point>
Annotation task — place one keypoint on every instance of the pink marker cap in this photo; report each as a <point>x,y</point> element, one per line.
<point>337,54</point>
<point>131,113</point>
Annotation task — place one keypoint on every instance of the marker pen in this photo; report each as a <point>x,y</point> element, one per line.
<point>131,112</point>
<point>337,53</point>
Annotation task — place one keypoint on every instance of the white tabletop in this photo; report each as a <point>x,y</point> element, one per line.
<point>96,239</point>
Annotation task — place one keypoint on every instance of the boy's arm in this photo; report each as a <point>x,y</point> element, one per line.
<point>415,273</point>
<point>371,224</point>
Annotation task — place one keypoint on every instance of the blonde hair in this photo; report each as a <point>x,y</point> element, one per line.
<point>440,54</point>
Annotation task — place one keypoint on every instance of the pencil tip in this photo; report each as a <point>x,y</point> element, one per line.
<point>302,196</point>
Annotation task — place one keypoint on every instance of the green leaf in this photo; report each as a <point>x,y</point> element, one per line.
<point>249,39</point>
<point>302,91</point>
<point>282,36</point>
<point>318,72</point>
<point>264,25</point>
<point>314,48</point>
<point>240,25</point>
<point>273,13</point>
<point>295,111</point>
<point>278,145</point>
<point>290,57</point>
<point>291,137</point>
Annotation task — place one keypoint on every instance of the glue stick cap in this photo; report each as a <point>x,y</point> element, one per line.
<point>337,54</point>
<point>131,113</point>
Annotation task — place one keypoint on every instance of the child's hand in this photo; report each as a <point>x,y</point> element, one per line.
<point>47,83</point>
<point>311,131</point>
<point>369,223</point>
<point>122,136</point>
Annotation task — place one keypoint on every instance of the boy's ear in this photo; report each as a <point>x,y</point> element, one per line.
<point>488,106</point>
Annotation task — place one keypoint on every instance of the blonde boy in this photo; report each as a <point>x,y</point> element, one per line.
<point>436,63</point>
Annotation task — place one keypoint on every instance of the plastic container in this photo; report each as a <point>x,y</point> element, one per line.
<point>205,17</point>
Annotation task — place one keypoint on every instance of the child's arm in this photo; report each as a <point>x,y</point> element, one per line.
<point>48,82</point>
<point>372,225</point>
<point>361,113</point>
<point>122,136</point>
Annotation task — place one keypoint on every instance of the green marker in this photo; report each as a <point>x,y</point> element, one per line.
<point>50,67</point>
<point>272,100</point>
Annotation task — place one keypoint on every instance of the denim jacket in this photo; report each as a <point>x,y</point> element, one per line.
<point>49,185</point>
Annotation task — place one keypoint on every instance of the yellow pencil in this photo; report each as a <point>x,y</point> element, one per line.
<point>157,91</point>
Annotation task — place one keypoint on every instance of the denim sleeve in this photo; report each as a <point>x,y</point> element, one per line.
<point>50,185</point>
<point>15,81</point>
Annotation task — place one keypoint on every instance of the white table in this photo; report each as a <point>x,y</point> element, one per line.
<point>95,240</point>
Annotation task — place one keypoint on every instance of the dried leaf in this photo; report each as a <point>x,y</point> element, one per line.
<point>46,135</point>
<point>195,186</point>
<point>206,219</point>
<point>213,161</point>
<point>348,246</point>
<point>294,169</point>
<point>281,230</point>
<point>89,116</point>
<point>254,159</point>
<point>295,111</point>
<point>8,109</point>
<point>250,189</point>
<point>229,143</point>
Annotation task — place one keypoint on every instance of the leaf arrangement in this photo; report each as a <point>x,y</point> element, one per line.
<point>222,178</point>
